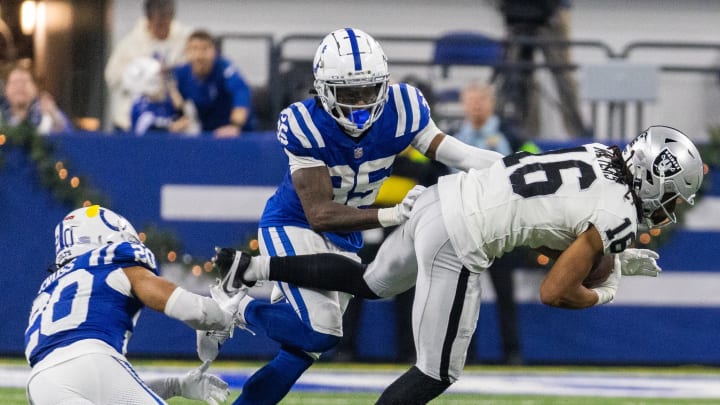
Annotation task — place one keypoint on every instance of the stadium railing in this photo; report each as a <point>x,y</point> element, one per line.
<point>288,77</point>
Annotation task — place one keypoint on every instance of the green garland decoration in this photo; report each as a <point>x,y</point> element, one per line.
<point>75,191</point>
<point>69,190</point>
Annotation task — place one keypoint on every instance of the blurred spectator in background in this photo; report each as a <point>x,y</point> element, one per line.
<point>543,20</point>
<point>215,86</point>
<point>24,104</point>
<point>157,106</point>
<point>481,127</point>
<point>156,35</point>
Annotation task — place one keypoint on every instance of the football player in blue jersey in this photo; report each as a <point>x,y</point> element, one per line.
<point>341,145</point>
<point>85,312</point>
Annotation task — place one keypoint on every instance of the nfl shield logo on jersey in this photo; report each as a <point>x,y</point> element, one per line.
<point>358,153</point>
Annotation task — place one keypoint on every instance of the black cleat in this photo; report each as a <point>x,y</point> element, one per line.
<point>232,264</point>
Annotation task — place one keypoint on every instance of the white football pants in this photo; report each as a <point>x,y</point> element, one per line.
<point>90,379</point>
<point>447,295</point>
<point>321,310</point>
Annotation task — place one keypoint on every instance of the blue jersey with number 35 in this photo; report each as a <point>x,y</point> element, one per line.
<point>87,299</point>
<point>357,166</point>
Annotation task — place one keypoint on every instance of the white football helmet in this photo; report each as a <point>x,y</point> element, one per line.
<point>89,228</point>
<point>143,76</point>
<point>665,165</point>
<point>351,78</point>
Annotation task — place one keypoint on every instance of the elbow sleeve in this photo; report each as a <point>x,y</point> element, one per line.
<point>198,312</point>
<point>461,156</point>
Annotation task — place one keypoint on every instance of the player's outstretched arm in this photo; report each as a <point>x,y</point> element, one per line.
<point>458,155</point>
<point>314,189</point>
<point>563,285</point>
<point>163,295</point>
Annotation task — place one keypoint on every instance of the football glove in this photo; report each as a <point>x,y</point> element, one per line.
<point>399,213</point>
<point>607,289</point>
<point>204,387</point>
<point>209,342</point>
<point>638,262</point>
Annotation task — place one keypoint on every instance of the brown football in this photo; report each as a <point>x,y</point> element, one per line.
<point>599,272</point>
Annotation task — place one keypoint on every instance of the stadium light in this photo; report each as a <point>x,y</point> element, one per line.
<point>28,17</point>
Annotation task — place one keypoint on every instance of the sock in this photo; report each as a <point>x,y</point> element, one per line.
<point>271,383</point>
<point>325,271</point>
<point>242,305</point>
<point>412,388</point>
<point>259,269</point>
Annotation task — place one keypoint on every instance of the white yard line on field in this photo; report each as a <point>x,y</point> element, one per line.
<point>605,384</point>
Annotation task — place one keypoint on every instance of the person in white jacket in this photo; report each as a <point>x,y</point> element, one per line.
<point>157,35</point>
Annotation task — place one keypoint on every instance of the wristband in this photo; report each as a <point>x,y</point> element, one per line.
<point>605,294</point>
<point>387,217</point>
<point>197,311</point>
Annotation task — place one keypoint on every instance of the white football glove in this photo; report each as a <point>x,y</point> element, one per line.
<point>639,262</point>
<point>210,341</point>
<point>399,213</point>
<point>204,387</point>
<point>226,302</point>
<point>607,289</point>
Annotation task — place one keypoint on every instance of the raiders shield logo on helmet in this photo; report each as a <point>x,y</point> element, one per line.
<point>666,164</point>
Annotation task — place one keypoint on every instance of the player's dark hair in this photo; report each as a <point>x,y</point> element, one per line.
<point>624,176</point>
<point>202,35</point>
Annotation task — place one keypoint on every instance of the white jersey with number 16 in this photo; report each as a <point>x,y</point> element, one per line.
<point>546,200</point>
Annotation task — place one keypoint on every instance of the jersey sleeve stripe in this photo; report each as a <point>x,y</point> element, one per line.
<point>397,99</point>
<point>310,125</point>
<point>415,108</point>
<point>295,129</point>
<point>408,107</point>
<point>301,124</point>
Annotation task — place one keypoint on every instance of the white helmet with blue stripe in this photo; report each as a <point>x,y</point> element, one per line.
<point>351,78</point>
<point>89,228</point>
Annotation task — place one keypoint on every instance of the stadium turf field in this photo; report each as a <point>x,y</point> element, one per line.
<point>16,396</point>
<point>646,386</point>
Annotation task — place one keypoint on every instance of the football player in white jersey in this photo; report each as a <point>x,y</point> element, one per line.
<point>578,205</point>
<point>341,145</point>
<point>85,313</point>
